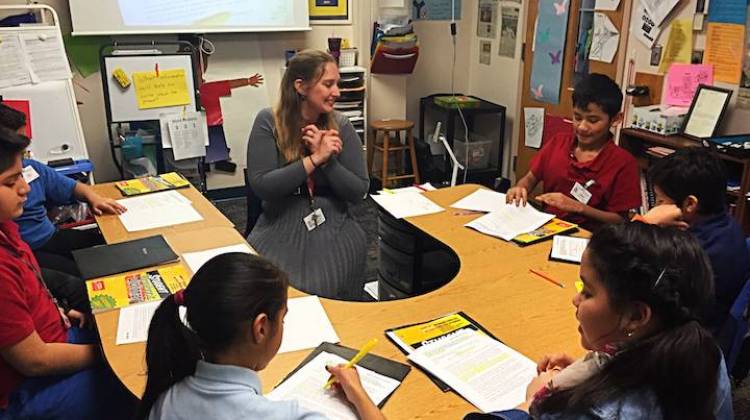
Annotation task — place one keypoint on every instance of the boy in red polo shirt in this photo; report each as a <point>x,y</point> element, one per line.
<point>43,374</point>
<point>587,178</point>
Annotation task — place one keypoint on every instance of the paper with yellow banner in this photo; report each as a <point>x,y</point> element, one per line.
<point>127,289</point>
<point>411,337</point>
<point>161,89</point>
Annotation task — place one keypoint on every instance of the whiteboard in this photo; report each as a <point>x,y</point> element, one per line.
<point>55,126</point>
<point>108,17</point>
<point>122,104</point>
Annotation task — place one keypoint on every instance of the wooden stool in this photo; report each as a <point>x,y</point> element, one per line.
<point>386,127</point>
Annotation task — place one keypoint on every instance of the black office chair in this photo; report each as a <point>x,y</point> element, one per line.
<point>254,206</point>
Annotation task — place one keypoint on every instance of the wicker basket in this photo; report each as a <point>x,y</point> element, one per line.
<point>348,57</point>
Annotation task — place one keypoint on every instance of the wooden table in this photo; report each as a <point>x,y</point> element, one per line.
<point>114,231</point>
<point>493,286</point>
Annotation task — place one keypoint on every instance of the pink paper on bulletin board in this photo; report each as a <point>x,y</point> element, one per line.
<point>21,106</point>
<point>683,81</point>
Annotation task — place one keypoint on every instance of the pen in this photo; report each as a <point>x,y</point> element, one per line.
<point>357,357</point>
<point>546,277</point>
<point>419,187</point>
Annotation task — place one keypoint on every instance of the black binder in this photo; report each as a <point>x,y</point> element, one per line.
<point>104,260</point>
<point>375,363</point>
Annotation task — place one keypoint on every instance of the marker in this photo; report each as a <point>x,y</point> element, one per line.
<point>419,187</point>
<point>357,357</point>
<point>156,69</point>
<point>546,277</point>
<point>386,190</point>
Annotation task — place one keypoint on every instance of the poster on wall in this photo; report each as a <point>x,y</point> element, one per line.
<point>436,9</point>
<point>508,32</point>
<point>549,42</point>
<point>329,12</point>
<point>487,19</point>
<point>485,52</point>
<point>605,39</point>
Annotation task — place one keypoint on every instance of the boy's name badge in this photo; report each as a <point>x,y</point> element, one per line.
<point>314,219</point>
<point>580,193</point>
<point>29,174</point>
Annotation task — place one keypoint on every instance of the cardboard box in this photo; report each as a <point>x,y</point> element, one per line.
<point>659,119</point>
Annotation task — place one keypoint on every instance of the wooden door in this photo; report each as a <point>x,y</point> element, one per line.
<point>565,107</point>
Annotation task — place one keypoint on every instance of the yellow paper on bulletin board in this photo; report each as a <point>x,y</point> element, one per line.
<point>679,44</point>
<point>169,88</point>
<point>723,43</point>
<point>336,10</point>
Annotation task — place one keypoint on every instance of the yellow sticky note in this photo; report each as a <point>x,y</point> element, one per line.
<point>679,44</point>
<point>169,88</point>
<point>723,44</point>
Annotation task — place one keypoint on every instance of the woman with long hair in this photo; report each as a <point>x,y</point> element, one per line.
<point>305,163</point>
<point>643,290</point>
<point>207,342</point>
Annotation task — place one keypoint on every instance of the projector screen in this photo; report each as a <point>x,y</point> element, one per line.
<point>107,17</point>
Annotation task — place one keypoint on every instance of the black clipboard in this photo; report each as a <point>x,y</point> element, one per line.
<point>104,260</point>
<point>437,381</point>
<point>375,363</point>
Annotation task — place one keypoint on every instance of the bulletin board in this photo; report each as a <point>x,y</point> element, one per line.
<point>122,103</point>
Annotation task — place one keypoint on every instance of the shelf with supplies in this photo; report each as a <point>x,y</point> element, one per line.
<point>482,169</point>
<point>353,100</point>
<point>640,142</point>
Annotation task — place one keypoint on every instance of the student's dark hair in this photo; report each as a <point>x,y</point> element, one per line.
<point>12,145</point>
<point>11,118</point>
<point>680,361</point>
<point>229,291</point>
<point>598,89</point>
<point>692,171</point>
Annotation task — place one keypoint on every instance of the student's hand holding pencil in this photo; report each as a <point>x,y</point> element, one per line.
<point>347,380</point>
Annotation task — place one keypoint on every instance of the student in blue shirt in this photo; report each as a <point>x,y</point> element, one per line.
<point>52,247</point>
<point>642,288</point>
<point>207,343</point>
<point>690,187</point>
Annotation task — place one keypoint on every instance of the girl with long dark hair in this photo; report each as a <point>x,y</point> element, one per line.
<point>206,343</point>
<point>643,289</point>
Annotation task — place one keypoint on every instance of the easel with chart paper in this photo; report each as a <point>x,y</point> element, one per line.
<point>35,79</point>
<point>145,87</point>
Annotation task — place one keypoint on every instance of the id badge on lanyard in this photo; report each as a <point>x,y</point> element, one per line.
<point>581,192</point>
<point>316,216</point>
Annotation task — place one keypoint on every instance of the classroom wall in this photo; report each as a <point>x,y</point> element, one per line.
<point>498,82</point>
<point>735,120</point>
<point>233,59</point>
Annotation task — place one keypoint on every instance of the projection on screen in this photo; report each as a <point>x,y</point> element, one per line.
<point>196,16</point>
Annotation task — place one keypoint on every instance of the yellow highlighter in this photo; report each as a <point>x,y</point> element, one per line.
<point>357,357</point>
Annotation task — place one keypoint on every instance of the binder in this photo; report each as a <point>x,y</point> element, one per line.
<point>103,260</point>
<point>375,363</point>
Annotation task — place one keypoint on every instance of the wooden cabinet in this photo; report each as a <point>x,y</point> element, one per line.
<point>638,141</point>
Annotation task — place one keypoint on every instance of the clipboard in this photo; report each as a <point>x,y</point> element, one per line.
<point>103,260</point>
<point>375,363</point>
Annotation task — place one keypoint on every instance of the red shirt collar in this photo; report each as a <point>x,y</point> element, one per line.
<point>596,163</point>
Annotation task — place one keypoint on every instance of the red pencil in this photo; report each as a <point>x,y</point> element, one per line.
<point>419,187</point>
<point>546,277</point>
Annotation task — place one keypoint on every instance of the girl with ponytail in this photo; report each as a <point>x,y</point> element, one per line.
<point>641,292</point>
<point>206,343</point>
